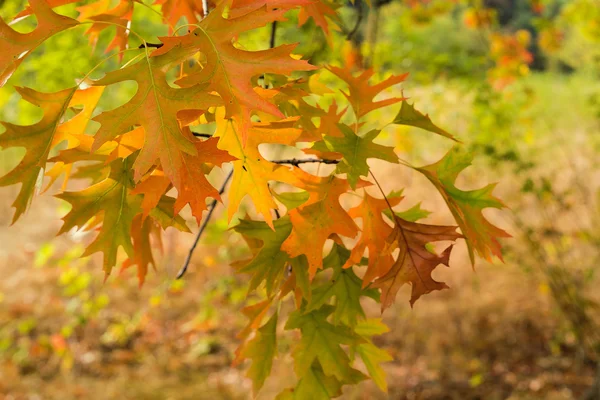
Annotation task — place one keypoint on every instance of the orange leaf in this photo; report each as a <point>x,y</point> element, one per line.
<point>229,70</point>
<point>361,94</point>
<point>16,46</point>
<point>317,219</point>
<point>251,172</point>
<point>154,107</point>
<point>375,231</point>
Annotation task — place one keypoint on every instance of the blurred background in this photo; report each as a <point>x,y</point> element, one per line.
<point>518,81</point>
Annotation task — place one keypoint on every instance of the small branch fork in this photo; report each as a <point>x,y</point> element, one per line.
<point>211,208</point>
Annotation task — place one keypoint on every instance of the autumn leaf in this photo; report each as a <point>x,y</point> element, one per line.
<point>361,93</point>
<point>112,199</point>
<point>321,341</point>
<point>229,70</point>
<point>37,139</point>
<point>371,355</point>
<point>415,262</point>
<point>255,314</point>
<point>194,188</point>
<point>344,285</point>
<point>356,150</point>
<point>118,17</point>
<point>269,262</point>
<point>251,172</point>
<point>374,236</point>
<point>321,216</point>
<point>174,10</point>
<point>16,46</point>
<point>409,116</point>
<point>320,11</point>
<point>154,107</point>
<point>141,229</point>
<point>467,206</point>
<point>261,350</point>
<point>316,385</point>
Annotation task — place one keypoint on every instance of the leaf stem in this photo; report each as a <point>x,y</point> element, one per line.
<point>211,209</point>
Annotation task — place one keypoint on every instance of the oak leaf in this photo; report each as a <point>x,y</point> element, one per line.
<point>112,199</point>
<point>39,139</point>
<point>16,46</point>
<point>408,115</point>
<point>375,231</point>
<point>467,206</point>
<point>356,150</point>
<point>229,70</point>
<point>415,262</point>
<point>361,94</point>
<point>261,350</point>
<point>269,262</point>
<point>251,172</point>
<point>317,219</point>
<point>321,341</point>
<point>154,107</point>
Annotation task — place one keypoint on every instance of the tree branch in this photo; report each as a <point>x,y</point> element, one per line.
<point>156,45</point>
<point>211,209</point>
<point>295,161</point>
<point>359,18</point>
<point>204,135</point>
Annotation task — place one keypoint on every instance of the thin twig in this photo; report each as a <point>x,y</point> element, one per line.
<point>273,35</point>
<point>204,135</point>
<point>295,161</point>
<point>156,45</point>
<point>359,18</point>
<point>211,209</point>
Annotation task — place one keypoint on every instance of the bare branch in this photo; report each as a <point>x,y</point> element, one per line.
<point>211,209</point>
<point>295,161</point>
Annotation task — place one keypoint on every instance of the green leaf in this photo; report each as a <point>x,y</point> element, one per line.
<point>292,200</point>
<point>316,385</point>
<point>112,199</point>
<point>344,285</point>
<point>261,350</point>
<point>372,356</point>
<point>322,341</point>
<point>356,150</point>
<point>413,214</point>
<point>269,262</point>
<point>409,116</point>
<point>467,206</point>
<point>371,327</point>
<point>38,139</point>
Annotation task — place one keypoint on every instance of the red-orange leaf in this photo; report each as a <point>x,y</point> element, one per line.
<point>375,231</point>
<point>14,46</point>
<point>415,262</point>
<point>361,94</point>
<point>317,219</point>
<point>229,70</point>
<point>154,107</point>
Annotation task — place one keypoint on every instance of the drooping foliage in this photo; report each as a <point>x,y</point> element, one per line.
<point>143,162</point>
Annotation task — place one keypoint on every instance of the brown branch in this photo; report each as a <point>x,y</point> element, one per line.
<point>295,161</point>
<point>204,135</point>
<point>211,209</point>
<point>359,18</point>
<point>155,45</point>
